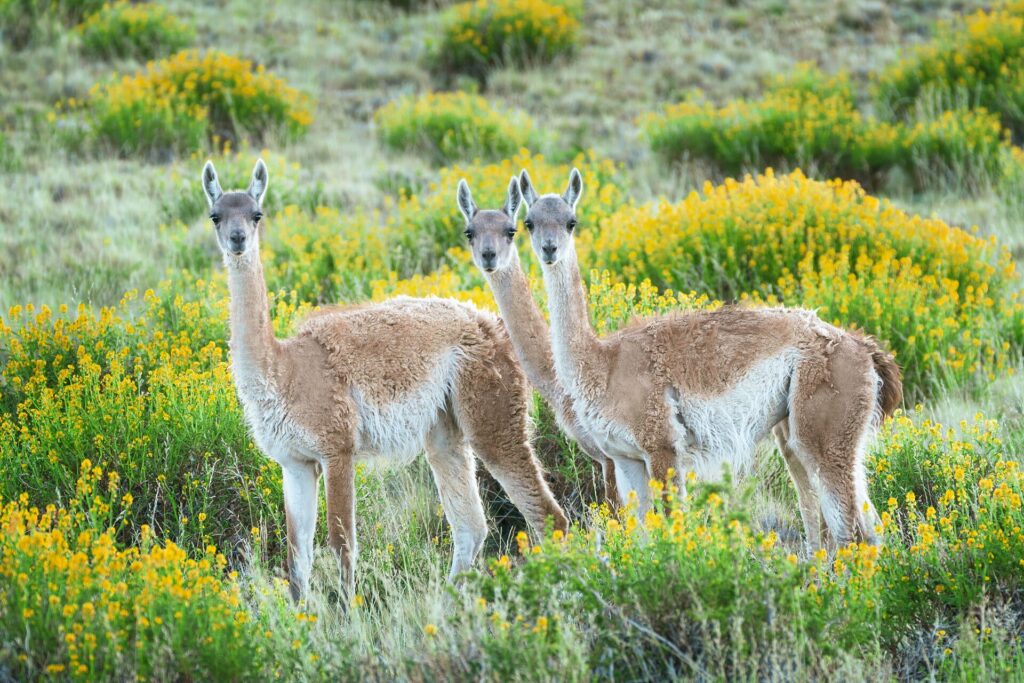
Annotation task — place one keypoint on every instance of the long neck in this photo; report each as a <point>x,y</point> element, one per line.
<point>526,328</point>
<point>253,346</point>
<point>579,357</point>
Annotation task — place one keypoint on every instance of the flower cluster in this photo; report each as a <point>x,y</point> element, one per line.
<point>808,120</point>
<point>180,103</point>
<point>78,604</point>
<point>452,126</point>
<point>144,390</point>
<point>483,33</point>
<point>124,29</point>
<point>943,299</point>
<point>975,61</point>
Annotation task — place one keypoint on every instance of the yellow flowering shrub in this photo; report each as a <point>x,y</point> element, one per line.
<point>443,282</point>
<point>943,558</point>
<point>78,604</point>
<point>424,226</point>
<point>480,34</point>
<point>807,119</point>
<point>180,103</point>
<point>326,257</point>
<point>124,29</point>
<point>942,299</point>
<point>977,60</point>
<point>452,126</point>
<point>144,390</point>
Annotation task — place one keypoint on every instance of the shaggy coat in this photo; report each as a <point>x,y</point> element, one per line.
<point>385,380</point>
<point>491,235</point>
<point>691,391</point>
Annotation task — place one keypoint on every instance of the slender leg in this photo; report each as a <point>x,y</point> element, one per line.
<point>810,510</point>
<point>341,518</point>
<point>611,487</point>
<point>455,475</point>
<point>632,474</point>
<point>300,501</point>
<point>830,420</point>
<point>490,404</point>
<point>517,470</point>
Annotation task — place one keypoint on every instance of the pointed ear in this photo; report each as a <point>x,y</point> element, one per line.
<point>513,200</point>
<point>465,200</point>
<point>526,189</point>
<point>211,186</point>
<point>575,189</point>
<point>258,184</point>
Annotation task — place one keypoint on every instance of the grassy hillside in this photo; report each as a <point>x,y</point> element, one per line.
<point>142,531</point>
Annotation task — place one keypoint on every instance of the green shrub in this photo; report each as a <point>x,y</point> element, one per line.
<point>143,392</point>
<point>8,157</point>
<point>125,29</point>
<point>976,61</point>
<point>181,103</point>
<point>481,34</point>
<point>24,21</point>
<point>744,604</point>
<point>810,121</point>
<point>942,299</point>
<point>451,127</point>
<point>78,604</point>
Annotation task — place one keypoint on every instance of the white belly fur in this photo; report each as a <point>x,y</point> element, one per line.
<point>713,431</point>
<point>398,431</point>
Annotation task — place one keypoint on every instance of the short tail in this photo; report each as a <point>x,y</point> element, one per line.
<point>890,393</point>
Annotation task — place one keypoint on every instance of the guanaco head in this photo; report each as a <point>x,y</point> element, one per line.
<point>551,219</point>
<point>491,232</point>
<point>236,215</point>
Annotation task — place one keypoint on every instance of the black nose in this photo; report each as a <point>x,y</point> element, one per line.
<point>487,255</point>
<point>549,251</point>
<point>237,240</point>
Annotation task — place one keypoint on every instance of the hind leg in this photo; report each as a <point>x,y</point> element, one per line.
<point>832,412</point>
<point>490,406</point>
<point>455,475</point>
<point>340,486</point>
<point>807,498</point>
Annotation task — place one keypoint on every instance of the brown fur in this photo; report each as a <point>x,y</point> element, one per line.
<point>636,381</point>
<point>491,239</point>
<point>308,398</point>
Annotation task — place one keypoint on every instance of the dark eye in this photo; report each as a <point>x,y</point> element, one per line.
<point>469,235</point>
<point>529,224</point>
<point>257,217</point>
<point>511,233</point>
<point>215,218</point>
<point>571,225</point>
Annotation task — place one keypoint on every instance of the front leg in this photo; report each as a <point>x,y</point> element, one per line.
<point>300,480</point>
<point>664,468</point>
<point>340,482</point>
<point>631,475</point>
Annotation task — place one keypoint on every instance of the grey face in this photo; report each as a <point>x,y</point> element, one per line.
<point>491,232</point>
<point>551,219</point>
<point>236,215</point>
